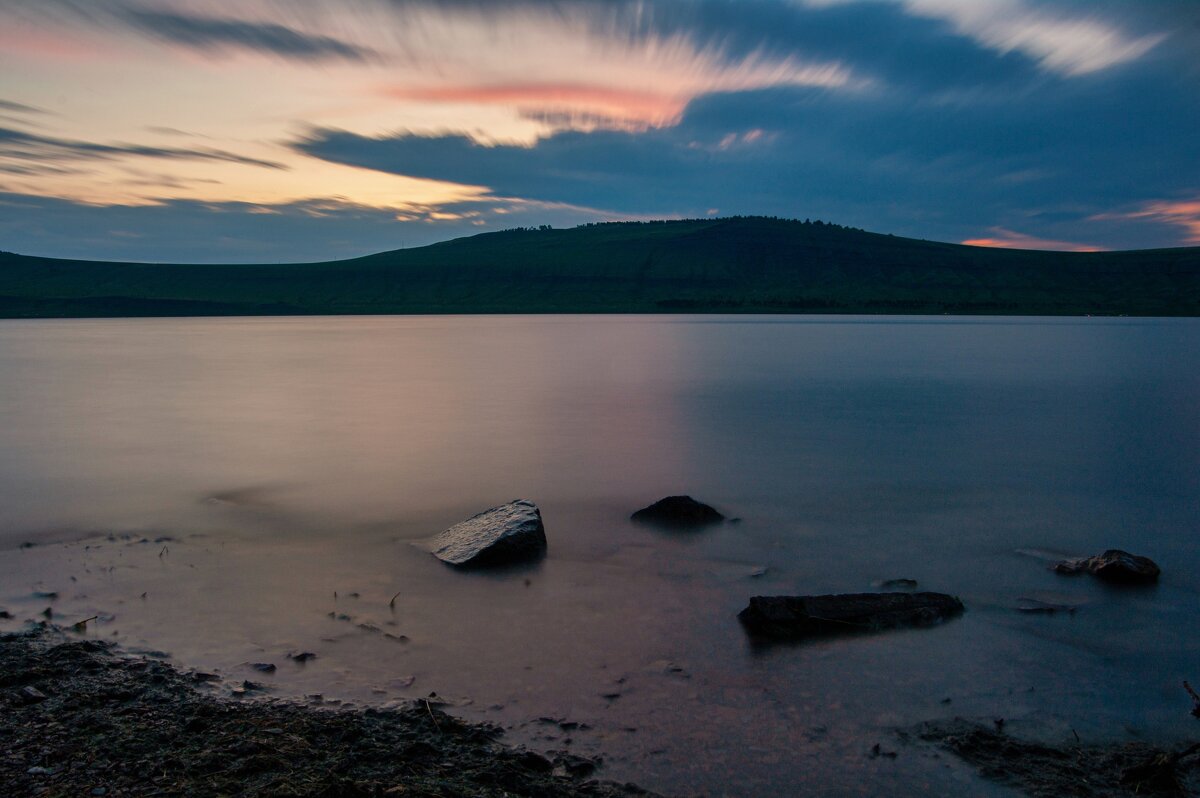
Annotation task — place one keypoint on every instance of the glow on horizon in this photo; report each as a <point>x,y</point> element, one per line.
<point>1007,239</point>
<point>1180,213</point>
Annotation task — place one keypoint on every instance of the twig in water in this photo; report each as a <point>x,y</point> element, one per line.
<point>164,551</point>
<point>82,625</point>
<point>392,603</point>
<point>431,717</point>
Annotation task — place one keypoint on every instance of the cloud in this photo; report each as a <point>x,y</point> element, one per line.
<point>607,103</point>
<point>1184,214</point>
<point>20,108</point>
<point>1061,37</point>
<point>1070,43</point>
<point>23,147</point>
<point>211,33</point>
<point>190,231</point>
<point>1007,239</point>
<point>1043,165</point>
<point>931,118</point>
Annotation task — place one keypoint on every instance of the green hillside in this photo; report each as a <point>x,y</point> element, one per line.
<point>737,265</point>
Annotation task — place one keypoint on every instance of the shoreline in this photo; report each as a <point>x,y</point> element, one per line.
<point>80,716</point>
<point>83,716</point>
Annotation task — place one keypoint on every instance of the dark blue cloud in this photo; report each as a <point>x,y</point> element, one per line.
<point>210,33</point>
<point>20,108</point>
<point>1042,159</point>
<point>29,147</point>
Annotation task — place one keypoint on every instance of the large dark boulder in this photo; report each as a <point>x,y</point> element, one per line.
<point>506,534</point>
<point>1113,565</point>
<point>798,617</point>
<point>680,512</point>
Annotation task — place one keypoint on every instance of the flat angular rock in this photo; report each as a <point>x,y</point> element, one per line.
<point>509,533</point>
<point>1113,565</point>
<point>30,695</point>
<point>799,617</point>
<point>682,512</point>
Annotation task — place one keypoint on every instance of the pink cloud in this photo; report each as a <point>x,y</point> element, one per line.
<point>1182,213</point>
<point>1008,239</point>
<point>647,108</point>
<point>49,46</point>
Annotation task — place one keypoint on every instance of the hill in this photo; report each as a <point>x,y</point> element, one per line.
<point>732,265</point>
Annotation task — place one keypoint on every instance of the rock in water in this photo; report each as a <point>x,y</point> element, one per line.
<point>682,512</point>
<point>509,533</point>
<point>1113,565</point>
<point>798,617</point>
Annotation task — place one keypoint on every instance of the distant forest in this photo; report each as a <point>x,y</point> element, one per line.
<point>718,265</point>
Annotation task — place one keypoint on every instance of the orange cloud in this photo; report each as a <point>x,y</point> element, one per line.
<point>1007,239</point>
<point>1183,213</point>
<point>645,108</point>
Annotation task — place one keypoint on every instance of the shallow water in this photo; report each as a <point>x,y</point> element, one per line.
<point>286,460</point>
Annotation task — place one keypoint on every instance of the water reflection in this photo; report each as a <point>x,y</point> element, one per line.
<point>292,461</point>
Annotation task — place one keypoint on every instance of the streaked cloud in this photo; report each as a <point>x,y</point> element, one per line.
<point>956,120</point>
<point>619,102</point>
<point>222,33</point>
<point>1184,214</point>
<point>1066,38</point>
<point>17,145</point>
<point>323,228</point>
<point>1072,43</point>
<point>1007,239</point>
<point>20,108</point>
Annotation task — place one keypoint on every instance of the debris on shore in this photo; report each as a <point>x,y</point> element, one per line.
<point>678,512</point>
<point>79,718</point>
<point>1115,566</point>
<point>503,535</point>
<point>1071,768</point>
<point>799,617</point>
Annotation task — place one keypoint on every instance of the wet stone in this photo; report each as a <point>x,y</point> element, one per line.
<point>799,617</point>
<point>679,512</point>
<point>506,534</point>
<point>30,695</point>
<point>1114,565</point>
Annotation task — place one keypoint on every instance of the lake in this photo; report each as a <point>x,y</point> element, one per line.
<point>231,490</point>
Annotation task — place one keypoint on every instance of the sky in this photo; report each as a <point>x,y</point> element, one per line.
<point>263,131</point>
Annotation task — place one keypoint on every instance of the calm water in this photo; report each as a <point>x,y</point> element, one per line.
<point>289,459</point>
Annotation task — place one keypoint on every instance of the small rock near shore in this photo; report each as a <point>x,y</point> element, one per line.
<point>1114,565</point>
<point>799,617</point>
<point>506,534</point>
<point>30,695</point>
<point>681,512</point>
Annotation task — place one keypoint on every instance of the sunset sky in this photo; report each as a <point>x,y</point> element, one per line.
<point>211,131</point>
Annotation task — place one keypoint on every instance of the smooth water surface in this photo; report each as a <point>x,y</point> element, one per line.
<point>208,485</point>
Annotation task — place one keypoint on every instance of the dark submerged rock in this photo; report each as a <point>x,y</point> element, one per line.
<point>798,617</point>
<point>1038,607</point>
<point>506,534</point>
<point>1114,565</point>
<point>681,512</point>
<point>897,584</point>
